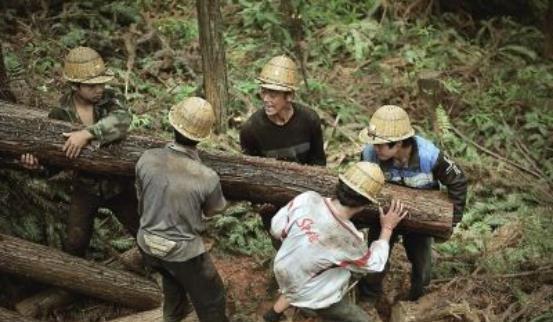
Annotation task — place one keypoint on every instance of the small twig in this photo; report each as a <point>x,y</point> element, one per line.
<point>520,274</point>
<point>526,154</point>
<point>452,280</point>
<point>334,127</point>
<point>130,47</point>
<point>495,155</point>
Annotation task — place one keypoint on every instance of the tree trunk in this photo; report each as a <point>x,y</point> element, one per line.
<point>5,93</point>
<point>51,266</point>
<point>548,31</point>
<point>210,24</point>
<point>53,298</point>
<point>292,20</point>
<point>11,316</point>
<point>243,177</point>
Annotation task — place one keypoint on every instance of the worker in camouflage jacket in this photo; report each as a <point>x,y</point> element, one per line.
<point>103,119</point>
<point>413,161</point>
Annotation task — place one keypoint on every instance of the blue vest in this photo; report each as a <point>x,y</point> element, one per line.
<point>417,175</point>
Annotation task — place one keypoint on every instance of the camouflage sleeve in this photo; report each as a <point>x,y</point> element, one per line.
<point>113,126</point>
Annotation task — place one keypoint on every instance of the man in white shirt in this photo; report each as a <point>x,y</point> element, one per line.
<point>321,246</point>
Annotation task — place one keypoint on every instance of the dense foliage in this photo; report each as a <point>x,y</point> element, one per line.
<point>492,111</point>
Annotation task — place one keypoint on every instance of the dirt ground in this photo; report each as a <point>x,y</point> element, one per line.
<point>251,288</point>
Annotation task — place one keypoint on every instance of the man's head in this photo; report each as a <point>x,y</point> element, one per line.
<point>278,82</point>
<point>389,129</point>
<point>86,71</point>
<point>91,93</point>
<point>192,118</point>
<point>360,184</point>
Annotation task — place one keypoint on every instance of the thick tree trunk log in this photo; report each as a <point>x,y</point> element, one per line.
<point>51,266</point>
<point>53,298</point>
<point>243,178</point>
<point>11,316</point>
<point>548,31</point>
<point>210,25</point>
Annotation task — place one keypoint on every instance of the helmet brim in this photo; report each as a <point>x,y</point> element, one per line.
<point>102,79</point>
<point>354,188</point>
<point>276,87</point>
<point>367,138</point>
<point>99,80</point>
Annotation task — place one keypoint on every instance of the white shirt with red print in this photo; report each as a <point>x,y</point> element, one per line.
<point>318,251</point>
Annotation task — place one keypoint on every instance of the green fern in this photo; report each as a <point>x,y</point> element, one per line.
<point>239,230</point>
<point>442,123</point>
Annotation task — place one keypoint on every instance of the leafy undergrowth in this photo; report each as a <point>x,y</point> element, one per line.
<point>492,111</point>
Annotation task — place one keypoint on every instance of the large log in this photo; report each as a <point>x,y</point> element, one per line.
<point>259,180</point>
<point>53,298</point>
<point>51,266</point>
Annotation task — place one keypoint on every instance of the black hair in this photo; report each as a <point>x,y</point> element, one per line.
<point>410,141</point>
<point>349,197</point>
<point>181,139</point>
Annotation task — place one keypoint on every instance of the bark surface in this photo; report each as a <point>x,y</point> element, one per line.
<point>255,179</point>
<point>51,266</point>
<point>54,298</point>
<point>210,25</point>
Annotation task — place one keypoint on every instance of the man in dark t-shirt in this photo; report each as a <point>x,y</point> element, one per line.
<point>283,130</point>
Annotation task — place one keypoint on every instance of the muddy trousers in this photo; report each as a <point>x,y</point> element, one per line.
<point>343,311</point>
<point>83,209</point>
<point>197,278</point>
<point>419,253</point>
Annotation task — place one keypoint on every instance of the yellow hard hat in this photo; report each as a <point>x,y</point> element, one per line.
<point>389,123</point>
<point>85,65</point>
<point>279,74</point>
<point>365,178</point>
<point>194,118</point>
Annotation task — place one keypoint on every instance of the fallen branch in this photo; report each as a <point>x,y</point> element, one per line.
<point>495,155</point>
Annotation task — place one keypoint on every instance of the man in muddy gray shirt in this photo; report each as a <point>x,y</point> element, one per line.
<point>175,190</point>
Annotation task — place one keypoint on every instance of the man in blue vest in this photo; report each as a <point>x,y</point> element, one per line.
<point>413,161</point>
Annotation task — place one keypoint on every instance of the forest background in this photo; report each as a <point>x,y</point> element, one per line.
<point>492,111</point>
